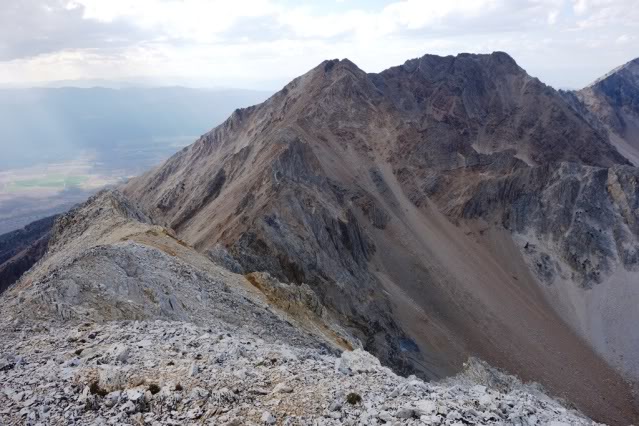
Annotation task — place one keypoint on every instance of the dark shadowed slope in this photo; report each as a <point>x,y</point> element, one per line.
<point>21,249</point>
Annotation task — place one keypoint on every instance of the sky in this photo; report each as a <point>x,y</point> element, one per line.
<point>263,44</point>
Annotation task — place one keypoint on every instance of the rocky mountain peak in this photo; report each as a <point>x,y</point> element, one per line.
<point>445,208</point>
<point>633,66</point>
<point>630,67</point>
<point>390,194</point>
<point>621,86</point>
<point>329,75</point>
<point>460,70</point>
<point>498,63</point>
<point>323,75</point>
<point>611,103</point>
<point>335,66</point>
<point>629,71</point>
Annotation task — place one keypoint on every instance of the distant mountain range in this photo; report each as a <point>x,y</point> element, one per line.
<point>445,208</point>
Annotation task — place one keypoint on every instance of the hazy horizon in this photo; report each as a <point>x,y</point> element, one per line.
<point>59,145</point>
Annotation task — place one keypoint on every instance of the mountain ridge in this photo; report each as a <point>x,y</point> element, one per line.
<point>611,102</point>
<point>445,208</point>
<point>341,166</point>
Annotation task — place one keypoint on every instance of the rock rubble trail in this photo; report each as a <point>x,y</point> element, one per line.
<point>176,373</point>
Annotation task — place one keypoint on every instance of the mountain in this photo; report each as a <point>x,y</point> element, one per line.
<point>122,322</point>
<point>448,208</point>
<point>436,208</point>
<point>613,100</point>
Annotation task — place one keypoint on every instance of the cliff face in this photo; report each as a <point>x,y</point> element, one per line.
<point>446,207</point>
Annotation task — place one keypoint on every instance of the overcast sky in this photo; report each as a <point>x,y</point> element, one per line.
<point>266,43</point>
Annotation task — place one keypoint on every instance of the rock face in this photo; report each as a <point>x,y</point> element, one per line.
<point>613,102</point>
<point>448,207</point>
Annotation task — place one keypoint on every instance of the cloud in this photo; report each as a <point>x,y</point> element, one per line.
<point>240,41</point>
<point>625,39</point>
<point>606,13</point>
<point>32,27</point>
<point>196,20</point>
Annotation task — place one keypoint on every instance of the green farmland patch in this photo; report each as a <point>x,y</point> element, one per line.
<point>48,182</point>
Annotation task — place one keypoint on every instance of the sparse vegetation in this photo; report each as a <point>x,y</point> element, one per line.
<point>95,389</point>
<point>353,398</point>
<point>154,388</point>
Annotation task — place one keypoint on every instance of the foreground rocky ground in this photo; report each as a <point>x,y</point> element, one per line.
<point>158,372</point>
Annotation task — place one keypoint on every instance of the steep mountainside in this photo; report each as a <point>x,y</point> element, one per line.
<point>448,207</point>
<point>613,100</point>
<point>122,323</point>
<point>20,249</point>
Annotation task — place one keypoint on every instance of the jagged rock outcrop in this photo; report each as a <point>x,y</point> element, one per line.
<point>469,105</point>
<point>451,206</point>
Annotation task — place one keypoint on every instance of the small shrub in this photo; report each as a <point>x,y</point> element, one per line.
<point>353,398</point>
<point>178,387</point>
<point>95,389</point>
<point>153,388</point>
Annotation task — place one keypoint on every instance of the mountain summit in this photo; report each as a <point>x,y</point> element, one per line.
<point>447,208</point>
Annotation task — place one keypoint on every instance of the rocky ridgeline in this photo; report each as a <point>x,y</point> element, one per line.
<point>455,200</point>
<point>157,372</point>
